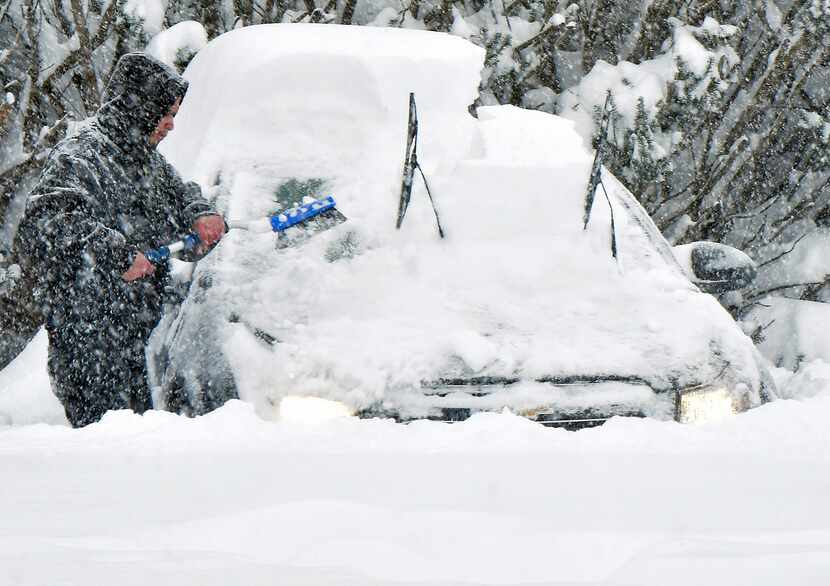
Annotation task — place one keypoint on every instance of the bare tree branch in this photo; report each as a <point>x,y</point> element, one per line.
<point>5,9</point>
<point>104,28</point>
<point>89,82</point>
<point>783,254</point>
<point>348,12</point>
<point>764,292</point>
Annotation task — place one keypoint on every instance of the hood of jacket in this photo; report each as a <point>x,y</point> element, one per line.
<point>139,94</point>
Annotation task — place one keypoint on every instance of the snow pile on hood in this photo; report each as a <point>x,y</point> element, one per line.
<point>517,289</point>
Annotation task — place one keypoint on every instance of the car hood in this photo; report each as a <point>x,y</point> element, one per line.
<point>517,289</point>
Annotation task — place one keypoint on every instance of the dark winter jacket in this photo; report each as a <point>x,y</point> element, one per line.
<point>106,193</point>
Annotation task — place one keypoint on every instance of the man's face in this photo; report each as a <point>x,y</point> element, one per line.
<point>165,125</point>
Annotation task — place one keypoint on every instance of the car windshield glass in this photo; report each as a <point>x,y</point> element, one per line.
<point>291,192</point>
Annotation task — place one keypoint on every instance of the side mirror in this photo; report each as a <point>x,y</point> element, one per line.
<point>716,268</point>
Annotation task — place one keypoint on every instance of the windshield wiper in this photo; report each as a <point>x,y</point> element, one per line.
<point>410,163</point>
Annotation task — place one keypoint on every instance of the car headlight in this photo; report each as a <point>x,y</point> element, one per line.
<point>312,409</point>
<point>705,405</point>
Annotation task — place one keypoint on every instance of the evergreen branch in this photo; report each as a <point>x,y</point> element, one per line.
<point>757,335</point>
<point>536,38</point>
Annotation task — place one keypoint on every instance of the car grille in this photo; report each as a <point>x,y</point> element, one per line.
<point>573,402</point>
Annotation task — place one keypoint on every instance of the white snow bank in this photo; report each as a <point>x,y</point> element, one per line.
<point>795,331</point>
<point>812,378</point>
<point>180,41</point>
<point>25,394</point>
<point>229,498</point>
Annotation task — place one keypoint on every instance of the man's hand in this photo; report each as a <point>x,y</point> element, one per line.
<point>210,230</point>
<point>141,267</point>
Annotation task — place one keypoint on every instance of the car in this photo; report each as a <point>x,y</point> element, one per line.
<point>514,303</point>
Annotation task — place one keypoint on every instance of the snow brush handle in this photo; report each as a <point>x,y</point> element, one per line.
<point>279,223</point>
<point>162,253</point>
<point>285,220</point>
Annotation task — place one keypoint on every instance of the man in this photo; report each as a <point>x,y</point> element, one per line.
<point>105,195</point>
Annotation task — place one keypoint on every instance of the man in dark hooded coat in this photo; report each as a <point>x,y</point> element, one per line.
<point>105,195</point>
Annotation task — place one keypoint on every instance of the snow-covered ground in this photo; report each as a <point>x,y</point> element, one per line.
<point>795,331</point>
<point>231,498</point>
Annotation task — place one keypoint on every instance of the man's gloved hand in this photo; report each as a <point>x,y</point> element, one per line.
<point>141,267</point>
<point>210,230</point>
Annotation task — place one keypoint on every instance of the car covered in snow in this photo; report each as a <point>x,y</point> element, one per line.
<point>518,306</point>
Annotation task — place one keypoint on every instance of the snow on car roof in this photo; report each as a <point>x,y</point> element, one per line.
<point>516,289</point>
<point>279,78</point>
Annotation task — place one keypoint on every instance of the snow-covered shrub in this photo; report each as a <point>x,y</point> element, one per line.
<point>177,45</point>
<point>653,102</point>
<point>722,132</point>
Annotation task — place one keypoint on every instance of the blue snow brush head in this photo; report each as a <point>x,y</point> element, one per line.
<point>139,93</point>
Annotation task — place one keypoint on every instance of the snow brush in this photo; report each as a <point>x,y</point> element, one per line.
<point>307,219</point>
